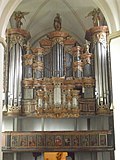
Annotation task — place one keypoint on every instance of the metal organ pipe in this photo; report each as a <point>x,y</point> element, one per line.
<point>57,60</point>
<point>52,61</point>
<point>103,71</point>
<point>60,57</point>
<point>107,84</point>
<point>20,77</point>
<point>100,74</point>
<point>105,65</point>
<point>11,77</point>
<point>97,75</point>
<point>15,76</point>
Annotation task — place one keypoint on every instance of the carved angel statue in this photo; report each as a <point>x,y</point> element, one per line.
<point>18,16</point>
<point>57,22</point>
<point>95,16</point>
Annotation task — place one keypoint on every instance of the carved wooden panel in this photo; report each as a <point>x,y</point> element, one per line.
<point>60,140</point>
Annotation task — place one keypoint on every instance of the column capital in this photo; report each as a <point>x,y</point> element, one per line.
<point>3,42</point>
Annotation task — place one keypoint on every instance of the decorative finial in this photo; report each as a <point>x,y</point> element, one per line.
<point>18,16</point>
<point>57,22</point>
<point>87,46</point>
<point>95,16</point>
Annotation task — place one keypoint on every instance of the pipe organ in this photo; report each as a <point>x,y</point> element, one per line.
<point>60,78</point>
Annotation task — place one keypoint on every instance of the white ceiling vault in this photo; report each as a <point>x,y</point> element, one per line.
<point>41,15</point>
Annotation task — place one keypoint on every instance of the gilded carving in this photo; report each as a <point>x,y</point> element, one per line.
<point>58,40</point>
<point>95,30</point>
<point>17,36</point>
<point>99,37</point>
<point>14,110</point>
<point>103,109</point>
<point>45,42</point>
<point>76,51</point>
<point>27,82</point>
<point>88,82</point>
<point>78,65</point>
<point>58,34</point>
<point>28,59</point>
<point>38,65</point>
<point>38,51</point>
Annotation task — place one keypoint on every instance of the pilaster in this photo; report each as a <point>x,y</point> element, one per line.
<point>2,48</point>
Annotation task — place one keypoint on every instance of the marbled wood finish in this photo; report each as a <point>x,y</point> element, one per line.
<point>19,31</point>
<point>95,31</point>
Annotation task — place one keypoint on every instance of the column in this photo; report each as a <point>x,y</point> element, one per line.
<point>2,47</point>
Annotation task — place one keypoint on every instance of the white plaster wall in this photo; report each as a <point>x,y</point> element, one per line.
<point>59,124</point>
<point>115,63</point>
<point>7,124</point>
<point>83,156</point>
<point>99,122</point>
<point>65,124</point>
<point>91,156</point>
<point>103,156</point>
<point>31,124</point>
<point>28,156</point>
<point>1,92</point>
<point>36,124</point>
<point>81,124</point>
<point>8,156</point>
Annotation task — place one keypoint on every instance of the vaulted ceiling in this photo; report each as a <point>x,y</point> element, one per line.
<point>41,15</point>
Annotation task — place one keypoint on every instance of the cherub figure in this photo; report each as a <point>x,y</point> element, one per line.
<point>18,16</point>
<point>95,16</point>
<point>57,22</point>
